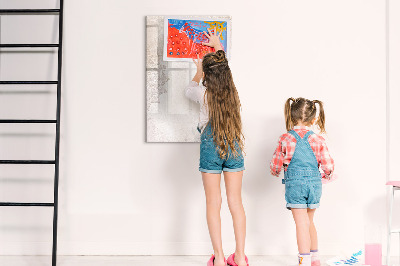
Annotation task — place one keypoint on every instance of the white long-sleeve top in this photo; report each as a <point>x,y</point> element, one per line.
<point>196,92</point>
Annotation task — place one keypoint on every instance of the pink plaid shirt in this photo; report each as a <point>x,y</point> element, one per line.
<point>287,144</point>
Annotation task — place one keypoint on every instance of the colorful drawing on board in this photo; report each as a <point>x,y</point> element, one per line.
<point>184,38</point>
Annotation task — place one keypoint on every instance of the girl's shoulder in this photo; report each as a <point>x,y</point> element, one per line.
<point>286,137</point>
<point>316,138</point>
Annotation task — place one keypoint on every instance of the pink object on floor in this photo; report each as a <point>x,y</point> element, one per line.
<point>333,178</point>
<point>393,183</point>
<point>231,260</point>
<point>211,260</point>
<point>316,263</point>
<point>373,254</point>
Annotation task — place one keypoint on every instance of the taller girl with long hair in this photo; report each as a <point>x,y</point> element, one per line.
<point>221,147</point>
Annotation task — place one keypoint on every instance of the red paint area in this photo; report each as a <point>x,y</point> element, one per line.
<point>181,46</point>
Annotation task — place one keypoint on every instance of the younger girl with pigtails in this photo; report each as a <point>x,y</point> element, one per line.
<point>302,154</point>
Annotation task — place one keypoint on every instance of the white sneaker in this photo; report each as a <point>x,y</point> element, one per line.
<point>315,259</point>
<point>304,260</point>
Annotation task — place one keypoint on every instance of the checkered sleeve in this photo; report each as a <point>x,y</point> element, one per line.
<point>326,162</point>
<point>278,157</point>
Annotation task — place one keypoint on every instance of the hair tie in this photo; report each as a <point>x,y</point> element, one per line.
<point>219,64</point>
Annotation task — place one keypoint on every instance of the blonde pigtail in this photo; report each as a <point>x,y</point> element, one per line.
<point>288,114</point>
<point>321,116</point>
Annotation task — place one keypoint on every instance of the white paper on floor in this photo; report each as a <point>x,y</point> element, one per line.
<point>350,258</point>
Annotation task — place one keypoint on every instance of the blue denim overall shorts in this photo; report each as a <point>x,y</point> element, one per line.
<point>303,186</point>
<point>210,160</point>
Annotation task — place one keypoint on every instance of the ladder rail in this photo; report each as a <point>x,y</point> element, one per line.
<point>57,144</point>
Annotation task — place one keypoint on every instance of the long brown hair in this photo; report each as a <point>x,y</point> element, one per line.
<point>303,110</point>
<point>223,104</point>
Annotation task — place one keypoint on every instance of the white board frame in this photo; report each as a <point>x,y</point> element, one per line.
<point>227,19</point>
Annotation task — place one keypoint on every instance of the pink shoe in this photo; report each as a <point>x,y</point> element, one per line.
<point>211,261</point>
<point>231,260</point>
<point>316,263</point>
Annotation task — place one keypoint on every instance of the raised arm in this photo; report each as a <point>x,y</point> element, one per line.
<point>194,91</point>
<point>199,72</point>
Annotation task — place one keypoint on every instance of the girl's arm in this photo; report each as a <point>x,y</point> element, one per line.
<point>277,159</point>
<point>199,72</point>
<point>194,91</point>
<point>213,39</point>
<point>327,163</point>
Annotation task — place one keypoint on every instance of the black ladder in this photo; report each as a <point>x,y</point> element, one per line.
<point>57,82</point>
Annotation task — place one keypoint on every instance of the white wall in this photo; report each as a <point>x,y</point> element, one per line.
<point>394,110</point>
<point>120,195</point>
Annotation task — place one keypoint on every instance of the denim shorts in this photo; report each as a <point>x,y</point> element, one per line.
<point>210,160</point>
<point>303,193</point>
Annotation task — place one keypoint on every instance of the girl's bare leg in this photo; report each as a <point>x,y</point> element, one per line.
<point>302,221</point>
<point>313,230</point>
<point>233,183</point>
<point>212,188</point>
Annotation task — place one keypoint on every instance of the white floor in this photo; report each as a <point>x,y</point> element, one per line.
<point>142,260</point>
<point>136,260</point>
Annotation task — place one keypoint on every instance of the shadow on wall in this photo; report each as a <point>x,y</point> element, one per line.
<point>263,193</point>
<point>185,186</point>
<point>375,213</point>
<point>375,219</point>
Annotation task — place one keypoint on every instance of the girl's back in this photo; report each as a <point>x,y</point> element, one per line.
<point>287,146</point>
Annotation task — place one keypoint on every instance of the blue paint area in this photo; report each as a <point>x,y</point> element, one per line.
<point>197,26</point>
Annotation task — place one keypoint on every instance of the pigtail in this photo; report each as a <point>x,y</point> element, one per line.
<point>321,116</point>
<point>288,114</point>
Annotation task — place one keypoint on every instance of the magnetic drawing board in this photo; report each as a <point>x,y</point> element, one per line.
<point>183,37</point>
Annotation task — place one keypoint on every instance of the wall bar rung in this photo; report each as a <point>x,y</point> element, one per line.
<point>31,45</point>
<point>26,121</point>
<point>28,82</point>
<point>27,161</point>
<point>28,11</point>
<point>29,204</point>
